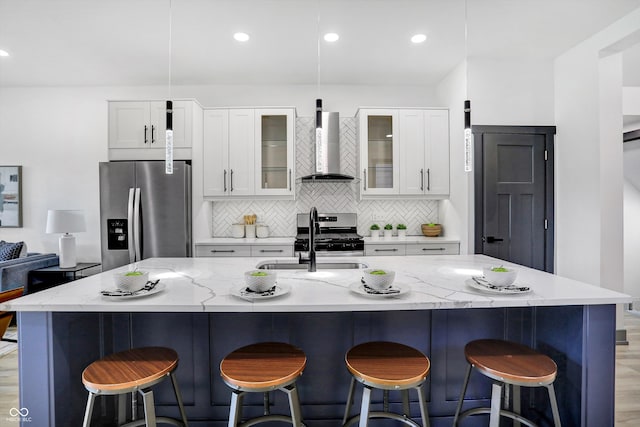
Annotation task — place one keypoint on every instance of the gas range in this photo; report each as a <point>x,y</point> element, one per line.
<point>336,235</point>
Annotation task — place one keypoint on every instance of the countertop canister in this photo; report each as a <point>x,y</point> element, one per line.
<point>262,231</point>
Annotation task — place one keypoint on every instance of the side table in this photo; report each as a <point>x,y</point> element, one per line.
<point>48,277</point>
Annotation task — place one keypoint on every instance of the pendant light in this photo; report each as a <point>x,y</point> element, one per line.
<point>468,137</point>
<point>168,160</point>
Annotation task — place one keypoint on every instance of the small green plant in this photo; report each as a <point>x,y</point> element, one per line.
<point>401,227</point>
<point>374,227</point>
<point>134,273</point>
<point>259,273</point>
<point>431,224</point>
<point>500,269</point>
<point>388,227</point>
<point>378,272</point>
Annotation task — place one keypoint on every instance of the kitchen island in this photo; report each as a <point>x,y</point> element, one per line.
<point>200,312</point>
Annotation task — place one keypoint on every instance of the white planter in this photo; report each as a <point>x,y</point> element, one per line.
<point>388,234</point>
<point>402,234</point>
<point>375,234</point>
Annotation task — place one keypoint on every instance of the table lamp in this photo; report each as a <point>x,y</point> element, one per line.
<point>66,221</point>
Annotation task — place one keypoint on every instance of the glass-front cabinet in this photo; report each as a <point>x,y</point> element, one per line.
<point>274,151</point>
<point>379,153</point>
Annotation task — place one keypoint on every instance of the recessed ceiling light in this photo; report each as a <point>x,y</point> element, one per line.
<point>241,37</point>
<point>4,53</point>
<point>418,38</point>
<point>331,37</point>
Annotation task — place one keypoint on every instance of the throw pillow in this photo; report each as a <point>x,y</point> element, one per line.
<point>10,250</point>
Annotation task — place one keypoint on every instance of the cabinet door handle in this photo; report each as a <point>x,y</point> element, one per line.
<point>145,134</point>
<point>231,186</point>
<point>224,181</point>
<point>428,179</point>
<point>270,250</point>
<point>219,251</point>
<point>386,250</point>
<point>421,179</point>
<point>433,249</point>
<point>289,179</point>
<point>364,171</point>
<point>153,134</point>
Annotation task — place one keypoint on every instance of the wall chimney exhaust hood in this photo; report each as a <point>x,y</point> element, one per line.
<point>326,163</point>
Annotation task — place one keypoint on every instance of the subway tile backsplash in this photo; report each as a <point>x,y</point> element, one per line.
<point>280,215</point>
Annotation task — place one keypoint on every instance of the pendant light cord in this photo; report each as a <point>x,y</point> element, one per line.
<point>170,46</point>
<point>318,51</point>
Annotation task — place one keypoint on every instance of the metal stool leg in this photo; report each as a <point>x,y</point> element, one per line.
<point>235,410</point>
<point>423,406</point>
<point>294,405</point>
<point>149,407</point>
<point>456,417</point>
<point>516,403</point>
<point>405,404</point>
<point>554,405</point>
<point>122,408</point>
<point>347,409</point>
<point>176,390</point>
<point>364,410</point>
<point>89,410</point>
<point>496,396</point>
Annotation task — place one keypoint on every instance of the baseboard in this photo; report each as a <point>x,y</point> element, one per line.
<point>621,337</point>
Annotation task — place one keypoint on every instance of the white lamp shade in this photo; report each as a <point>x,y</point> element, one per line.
<point>65,221</point>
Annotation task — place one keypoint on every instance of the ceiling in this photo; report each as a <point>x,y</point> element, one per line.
<point>157,42</point>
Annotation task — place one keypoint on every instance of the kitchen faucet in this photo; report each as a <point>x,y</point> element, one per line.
<point>313,223</point>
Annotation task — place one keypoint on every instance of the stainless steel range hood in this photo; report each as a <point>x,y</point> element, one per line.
<point>326,163</point>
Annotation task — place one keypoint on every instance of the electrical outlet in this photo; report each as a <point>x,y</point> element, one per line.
<point>377,216</point>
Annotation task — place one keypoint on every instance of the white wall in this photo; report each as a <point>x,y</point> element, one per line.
<point>588,183</point>
<point>631,241</point>
<point>509,92</point>
<point>631,101</point>
<point>456,214</point>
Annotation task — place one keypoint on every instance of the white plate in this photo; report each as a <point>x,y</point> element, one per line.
<point>241,291</point>
<point>393,291</point>
<point>507,290</point>
<point>141,293</point>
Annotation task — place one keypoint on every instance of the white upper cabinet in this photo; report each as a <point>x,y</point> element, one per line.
<point>248,152</point>
<point>410,147</point>
<point>274,159</point>
<point>137,126</point>
<point>379,154</point>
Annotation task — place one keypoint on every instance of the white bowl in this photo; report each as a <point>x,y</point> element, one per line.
<point>265,281</point>
<point>130,283</point>
<point>500,278</point>
<point>378,281</point>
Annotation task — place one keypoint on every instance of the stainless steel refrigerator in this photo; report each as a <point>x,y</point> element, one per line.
<point>144,212</point>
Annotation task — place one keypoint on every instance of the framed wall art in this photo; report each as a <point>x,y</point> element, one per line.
<point>10,196</point>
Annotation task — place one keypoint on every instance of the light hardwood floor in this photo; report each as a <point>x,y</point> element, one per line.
<point>627,378</point>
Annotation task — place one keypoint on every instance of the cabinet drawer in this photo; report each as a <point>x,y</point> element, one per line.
<point>272,250</point>
<point>222,250</point>
<point>433,249</point>
<point>387,250</point>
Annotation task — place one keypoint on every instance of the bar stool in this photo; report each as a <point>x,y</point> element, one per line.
<point>386,366</point>
<point>509,364</point>
<point>127,372</point>
<point>260,368</point>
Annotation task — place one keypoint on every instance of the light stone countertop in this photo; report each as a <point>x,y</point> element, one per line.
<point>207,285</point>
<point>246,241</point>
<point>409,239</point>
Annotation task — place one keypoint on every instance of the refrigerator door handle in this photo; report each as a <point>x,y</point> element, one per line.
<point>136,224</point>
<point>130,234</point>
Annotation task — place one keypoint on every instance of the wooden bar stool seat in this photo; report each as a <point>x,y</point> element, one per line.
<point>510,364</point>
<point>132,371</point>
<point>260,368</point>
<point>386,366</point>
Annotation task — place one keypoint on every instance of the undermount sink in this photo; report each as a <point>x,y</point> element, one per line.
<point>267,265</point>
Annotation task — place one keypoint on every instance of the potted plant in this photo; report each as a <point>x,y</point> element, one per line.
<point>375,231</point>
<point>431,229</point>
<point>402,231</point>
<point>388,231</point>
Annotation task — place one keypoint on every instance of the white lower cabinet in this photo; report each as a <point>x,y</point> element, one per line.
<point>411,248</point>
<point>257,250</point>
